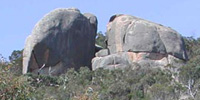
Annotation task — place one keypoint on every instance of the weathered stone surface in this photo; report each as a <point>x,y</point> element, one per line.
<point>128,58</point>
<point>109,62</point>
<point>129,33</point>
<point>64,38</point>
<point>134,40</point>
<point>92,19</point>
<point>102,53</point>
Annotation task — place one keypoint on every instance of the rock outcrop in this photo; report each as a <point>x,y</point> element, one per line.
<point>63,39</point>
<point>131,39</point>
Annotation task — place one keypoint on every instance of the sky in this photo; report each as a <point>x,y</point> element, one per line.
<point>18,17</point>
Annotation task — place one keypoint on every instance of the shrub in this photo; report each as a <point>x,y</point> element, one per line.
<point>14,87</point>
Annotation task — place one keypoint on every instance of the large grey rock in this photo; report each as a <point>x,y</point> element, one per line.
<point>64,38</point>
<point>129,33</point>
<point>134,40</point>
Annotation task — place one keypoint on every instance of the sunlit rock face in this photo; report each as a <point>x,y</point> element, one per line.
<point>131,39</point>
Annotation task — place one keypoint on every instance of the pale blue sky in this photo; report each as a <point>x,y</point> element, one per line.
<point>18,17</point>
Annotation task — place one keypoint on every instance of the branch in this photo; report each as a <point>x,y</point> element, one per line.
<point>41,69</point>
<point>50,72</point>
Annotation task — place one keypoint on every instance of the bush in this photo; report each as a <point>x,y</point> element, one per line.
<point>101,39</point>
<point>13,87</point>
<point>85,84</point>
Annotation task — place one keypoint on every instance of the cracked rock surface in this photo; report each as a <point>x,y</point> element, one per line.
<point>140,40</point>
<point>62,39</point>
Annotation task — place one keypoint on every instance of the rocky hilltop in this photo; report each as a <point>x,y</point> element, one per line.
<point>136,59</point>
<point>65,38</point>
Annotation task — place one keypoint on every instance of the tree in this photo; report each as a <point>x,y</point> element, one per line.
<point>16,57</point>
<point>100,39</point>
<point>192,46</point>
<point>190,73</point>
<point>3,62</point>
<point>2,59</point>
<point>16,61</point>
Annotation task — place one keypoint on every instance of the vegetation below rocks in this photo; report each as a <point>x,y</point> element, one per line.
<point>132,83</point>
<point>127,84</point>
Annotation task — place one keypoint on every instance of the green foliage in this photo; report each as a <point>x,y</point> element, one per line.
<point>100,39</point>
<point>192,69</point>
<point>16,57</point>
<point>13,87</point>
<point>192,46</point>
<point>3,62</point>
<point>16,62</point>
<point>163,92</point>
<point>118,84</point>
<point>189,74</point>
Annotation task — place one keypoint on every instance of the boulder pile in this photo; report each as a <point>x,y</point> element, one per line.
<point>134,40</point>
<point>65,38</point>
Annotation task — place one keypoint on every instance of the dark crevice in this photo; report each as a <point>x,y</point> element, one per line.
<point>34,57</point>
<point>124,38</point>
<point>114,16</point>
<point>161,39</point>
